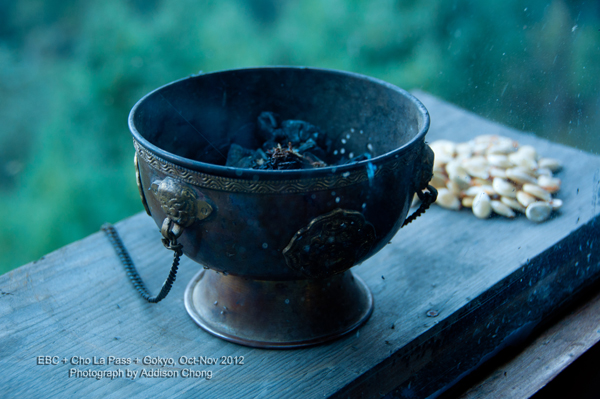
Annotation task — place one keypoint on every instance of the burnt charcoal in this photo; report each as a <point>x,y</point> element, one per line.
<point>240,157</point>
<point>236,154</point>
<point>307,145</point>
<point>259,158</point>
<point>323,141</point>
<point>268,122</point>
<point>318,152</point>
<point>280,136</point>
<point>293,164</point>
<point>298,131</point>
<point>327,146</point>
<point>262,165</point>
<point>289,144</point>
<point>260,154</point>
<point>246,162</point>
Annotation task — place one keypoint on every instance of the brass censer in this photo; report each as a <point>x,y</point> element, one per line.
<point>277,245</point>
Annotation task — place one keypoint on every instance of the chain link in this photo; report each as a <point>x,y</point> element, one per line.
<point>131,270</point>
<point>427,198</point>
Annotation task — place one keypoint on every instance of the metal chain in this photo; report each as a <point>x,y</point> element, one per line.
<point>427,198</point>
<point>132,272</point>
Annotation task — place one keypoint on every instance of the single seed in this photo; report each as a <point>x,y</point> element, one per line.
<point>543,171</point>
<point>446,199</point>
<point>461,181</point>
<point>518,159</point>
<point>476,167</point>
<point>474,190</point>
<point>512,204</point>
<point>528,151</point>
<point>537,191</point>
<point>438,181</point>
<point>553,164</point>
<point>538,211</point>
<point>550,184</point>
<point>482,206</point>
<point>504,188</point>
<point>501,209</point>
<point>519,175</point>
<point>454,168</point>
<point>556,203</point>
<point>525,199</point>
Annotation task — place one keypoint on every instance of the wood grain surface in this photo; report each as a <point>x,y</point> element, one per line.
<point>489,282</point>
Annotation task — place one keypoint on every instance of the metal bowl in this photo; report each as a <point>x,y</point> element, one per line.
<point>279,238</point>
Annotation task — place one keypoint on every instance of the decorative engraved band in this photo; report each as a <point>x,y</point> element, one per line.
<point>261,186</point>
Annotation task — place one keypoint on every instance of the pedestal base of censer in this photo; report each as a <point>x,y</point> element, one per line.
<point>278,314</point>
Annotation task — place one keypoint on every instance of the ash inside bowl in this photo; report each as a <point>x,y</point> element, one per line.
<point>288,144</point>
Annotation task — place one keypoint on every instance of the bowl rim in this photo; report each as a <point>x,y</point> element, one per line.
<point>242,173</point>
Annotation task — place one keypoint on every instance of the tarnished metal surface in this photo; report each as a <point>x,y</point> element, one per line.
<point>271,314</point>
<point>426,173</point>
<point>330,244</point>
<point>138,180</point>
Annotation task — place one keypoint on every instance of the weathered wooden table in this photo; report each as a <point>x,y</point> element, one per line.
<point>450,292</point>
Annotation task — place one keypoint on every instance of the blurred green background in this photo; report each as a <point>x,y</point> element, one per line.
<point>70,71</point>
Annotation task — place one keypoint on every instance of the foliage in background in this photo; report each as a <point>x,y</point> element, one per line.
<point>71,71</point>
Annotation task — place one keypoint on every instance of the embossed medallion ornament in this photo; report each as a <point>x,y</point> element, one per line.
<point>275,246</point>
<point>330,244</point>
<point>179,202</point>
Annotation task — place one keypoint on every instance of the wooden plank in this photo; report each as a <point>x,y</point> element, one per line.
<point>541,361</point>
<point>489,281</point>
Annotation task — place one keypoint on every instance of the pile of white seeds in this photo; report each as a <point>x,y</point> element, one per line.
<point>494,174</point>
